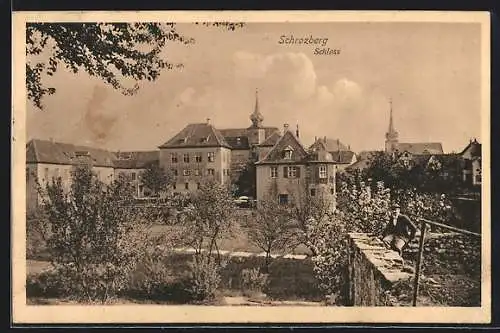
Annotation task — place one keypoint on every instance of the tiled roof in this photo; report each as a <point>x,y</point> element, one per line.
<point>46,151</point>
<point>363,161</point>
<point>197,135</point>
<point>136,159</point>
<point>238,142</point>
<point>235,132</point>
<point>329,144</point>
<point>475,148</point>
<point>420,148</point>
<point>275,155</point>
<point>343,156</point>
<point>271,140</point>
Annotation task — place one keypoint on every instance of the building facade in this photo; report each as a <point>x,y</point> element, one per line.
<point>472,174</point>
<point>47,160</point>
<point>289,172</point>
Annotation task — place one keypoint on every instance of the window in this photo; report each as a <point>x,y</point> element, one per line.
<point>98,173</point>
<point>133,176</point>
<point>173,157</point>
<point>274,172</point>
<point>174,186</point>
<point>198,185</point>
<point>185,172</point>
<point>186,158</point>
<point>292,172</point>
<point>186,186</point>
<point>478,178</point>
<point>211,156</point>
<point>175,172</point>
<point>322,171</point>
<point>332,190</point>
<point>287,154</point>
<point>197,157</point>
<point>313,192</point>
<point>283,199</point>
<point>196,172</point>
<point>210,172</point>
<point>46,173</point>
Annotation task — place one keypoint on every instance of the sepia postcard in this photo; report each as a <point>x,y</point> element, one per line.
<point>251,167</point>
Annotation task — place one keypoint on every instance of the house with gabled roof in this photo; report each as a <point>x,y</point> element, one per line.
<point>47,160</point>
<point>289,171</point>
<point>198,152</point>
<point>341,154</point>
<point>472,170</point>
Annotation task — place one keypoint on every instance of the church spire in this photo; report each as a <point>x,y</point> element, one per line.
<point>391,137</point>
<point>256,117</point>
<point>391,122</point>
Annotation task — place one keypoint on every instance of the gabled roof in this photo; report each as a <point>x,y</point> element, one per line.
<point>342,157</point>
<point>474,147</point>
<point>328,144</point>
<point>363,161</point>
<point>288,140</point>
<point>197,135</point>
<point>46,151</point>
<point>420,148</point>
<point>136,159</point>
<point>271,140</point>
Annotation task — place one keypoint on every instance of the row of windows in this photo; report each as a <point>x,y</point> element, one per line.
<point>185,186</point>
<point>294,172</point>
<point>197,172</point>
<point>198,157</point>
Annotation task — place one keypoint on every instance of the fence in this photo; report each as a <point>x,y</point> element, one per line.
<point>424,223</point>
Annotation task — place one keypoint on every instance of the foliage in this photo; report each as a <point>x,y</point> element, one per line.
<point>37,231</point>
<point>205,277</point>
<point>208,217</point>
<point>253,280</point>
<point>112,52</point>
<point>310,214</point>
<point>245,183</point>
<point>95,238</point>
<point>436,174</point>
<point>270,229</point>
<point>155,178</point>
<point>360,209</point>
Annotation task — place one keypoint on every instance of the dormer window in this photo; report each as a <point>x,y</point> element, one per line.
<point>183,140</point>
<point>287,153</point>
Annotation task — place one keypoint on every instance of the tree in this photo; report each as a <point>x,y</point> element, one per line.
<point>245,182</point>
<point>113,52</point>
<point>155,178</point>
<point>270,229</point>
<point>310,213</point>
<point>96,236</point>
<point>209,217</point>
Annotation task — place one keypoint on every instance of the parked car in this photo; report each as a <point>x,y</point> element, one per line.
<point>243,202</point>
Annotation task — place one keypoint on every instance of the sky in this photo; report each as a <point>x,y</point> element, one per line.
<point>430,70</point>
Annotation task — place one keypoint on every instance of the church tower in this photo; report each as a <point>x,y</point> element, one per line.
<point>256,131</point>
<point>391,137</point>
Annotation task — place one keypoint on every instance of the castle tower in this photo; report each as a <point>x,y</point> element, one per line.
<point>256,117</point>
<point>391,137</point>
<point>255,131</point>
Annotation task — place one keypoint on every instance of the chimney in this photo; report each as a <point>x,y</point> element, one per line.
<point>285,128</point>
<point>324,139</point>
<point>208,120</point>
<point>297,131</point>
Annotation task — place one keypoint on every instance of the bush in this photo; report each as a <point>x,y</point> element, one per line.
<point>253,281</point>
<point>50,284</point>
<point>204,279</point>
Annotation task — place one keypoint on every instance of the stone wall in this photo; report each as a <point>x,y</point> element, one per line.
<point>374,271</point>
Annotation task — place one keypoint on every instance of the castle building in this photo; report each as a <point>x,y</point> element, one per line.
<point>198,152</point>
<point>289,173</point>
<point>47,160</point>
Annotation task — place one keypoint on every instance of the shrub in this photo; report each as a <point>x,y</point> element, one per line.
<point>204,279</point>
<point>253,280</point>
